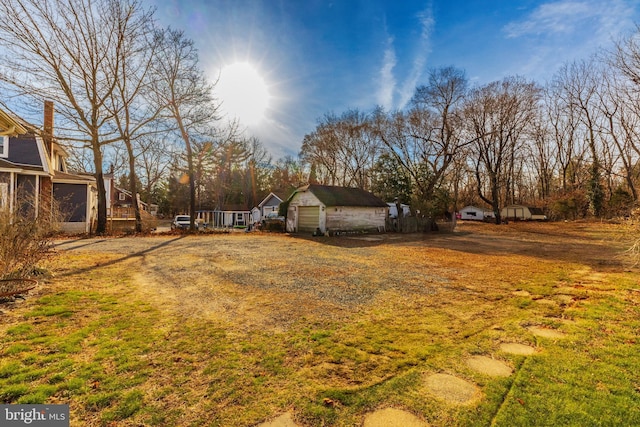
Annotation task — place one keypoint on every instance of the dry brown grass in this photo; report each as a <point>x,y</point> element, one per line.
<point>243,326</point>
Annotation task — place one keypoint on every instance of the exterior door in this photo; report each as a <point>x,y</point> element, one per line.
<point>308,218</point>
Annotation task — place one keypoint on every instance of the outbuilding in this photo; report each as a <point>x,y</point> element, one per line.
<point>522,213</point>
<point>269,205</point>
<point>326,208</point>
<point>474,213</point>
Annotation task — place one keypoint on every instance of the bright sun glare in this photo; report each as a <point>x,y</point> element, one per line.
<point>243,92</point>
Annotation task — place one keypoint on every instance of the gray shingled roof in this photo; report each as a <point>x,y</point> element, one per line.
<point>343,196</point>
<point>23,150</point>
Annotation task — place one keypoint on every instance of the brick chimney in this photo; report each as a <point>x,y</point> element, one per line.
<point>47,135</point>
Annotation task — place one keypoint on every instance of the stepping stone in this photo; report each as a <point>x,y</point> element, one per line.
<point>391,417</point>
<point>515,348</point>
<point>546,332</point>
<point>284,420</point>
<point>452,389</point>
<point>489,366</point>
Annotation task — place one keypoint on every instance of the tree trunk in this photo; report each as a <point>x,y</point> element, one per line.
<point>101,227</point>
<point>133,185</point>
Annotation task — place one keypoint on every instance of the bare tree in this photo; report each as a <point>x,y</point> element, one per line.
<point>498,114</point>
<point>563,125</point>
<point>341,150</point>
<point>622,86</point>
<point>153,160</point>
<point>543,155</point>
<point>287,175</point>
<point>180,85</point>
<point>65,50</point>
<point>130,100</point>
<point>426,139</point>
<point>580,92</point>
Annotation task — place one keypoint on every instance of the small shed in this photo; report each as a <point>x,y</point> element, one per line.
<point>523,213</point>
<point>331,208</point>
<point>474,213</point>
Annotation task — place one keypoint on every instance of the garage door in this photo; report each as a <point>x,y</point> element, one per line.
<point>308,218</point>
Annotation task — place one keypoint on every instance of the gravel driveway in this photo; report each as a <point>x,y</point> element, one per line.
<point>271,280</point>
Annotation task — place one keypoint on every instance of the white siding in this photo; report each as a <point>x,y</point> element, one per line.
<point>516,212</point>
<point>340,218</point>
<point>472,213</point>
<point>355,218</point>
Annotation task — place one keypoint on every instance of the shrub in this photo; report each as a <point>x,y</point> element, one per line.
<point>25,240</point>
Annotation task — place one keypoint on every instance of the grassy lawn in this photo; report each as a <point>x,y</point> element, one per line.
<point>234,330</point>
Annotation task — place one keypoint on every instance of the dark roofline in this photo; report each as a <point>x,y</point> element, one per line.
<point>331,195</point>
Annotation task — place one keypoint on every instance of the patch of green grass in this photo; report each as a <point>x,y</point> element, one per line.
<point>9,367</point>
<point>10,393</point>
<point>61,311</point>
<point>22,329</point>
<point>73,384</point>
<point>101,400</point>
<point>126,407</point>
<point>38,395</point>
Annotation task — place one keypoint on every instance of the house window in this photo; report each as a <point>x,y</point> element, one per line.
<point>4,146</point>
<point>122,196</point>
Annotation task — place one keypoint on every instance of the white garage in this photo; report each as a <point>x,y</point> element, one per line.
<point>325,208</point>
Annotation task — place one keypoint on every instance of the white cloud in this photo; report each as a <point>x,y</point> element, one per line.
<point>567,30</point>
<point>427,23</point>
<point>387,80</point>
<point>568,16</point>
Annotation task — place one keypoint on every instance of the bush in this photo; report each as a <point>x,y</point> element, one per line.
<point>25,240</point>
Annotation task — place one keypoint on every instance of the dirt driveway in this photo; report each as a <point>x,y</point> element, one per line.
<point>273,280</point>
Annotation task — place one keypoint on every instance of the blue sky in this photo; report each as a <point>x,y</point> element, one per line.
<point>319,56</point>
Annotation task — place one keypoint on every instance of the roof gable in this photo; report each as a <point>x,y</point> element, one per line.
<point>271,200</point>
<point>344,196</point>
<point>9,123</point>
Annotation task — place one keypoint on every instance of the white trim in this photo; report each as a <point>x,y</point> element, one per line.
<point>44,159</point>
<point>24,171</point>
<point>5,146</point>
<point>12,191</point>
<point>87,218</point>
<point>36,196</point>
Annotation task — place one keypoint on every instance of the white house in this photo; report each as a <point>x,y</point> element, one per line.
<point>269,204</point>
<point>522,213</point>
<point>329,208</point>
<point>230,216</point>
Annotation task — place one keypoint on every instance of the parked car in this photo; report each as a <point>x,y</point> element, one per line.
<point>180,222</point>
